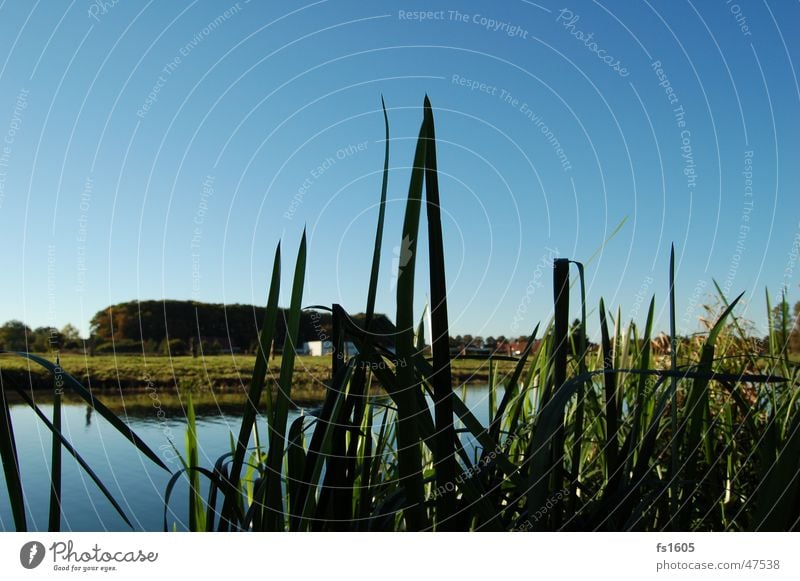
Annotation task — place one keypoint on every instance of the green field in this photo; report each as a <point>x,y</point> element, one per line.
<point>212,377</point>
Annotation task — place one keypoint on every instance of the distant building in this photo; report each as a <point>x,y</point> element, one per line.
<point>516,348</point>
<point>321,348</point>
<point>317,348</point>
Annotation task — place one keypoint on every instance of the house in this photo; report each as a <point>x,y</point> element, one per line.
<point>321,348</point>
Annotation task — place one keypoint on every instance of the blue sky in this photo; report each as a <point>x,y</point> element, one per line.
<point>161,150</point>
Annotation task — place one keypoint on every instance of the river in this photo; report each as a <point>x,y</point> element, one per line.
<point>136,483</point>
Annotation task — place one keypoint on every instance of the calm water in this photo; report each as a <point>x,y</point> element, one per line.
<point>136,483</point>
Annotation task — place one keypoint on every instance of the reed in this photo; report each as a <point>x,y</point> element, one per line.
<point>620,436</point>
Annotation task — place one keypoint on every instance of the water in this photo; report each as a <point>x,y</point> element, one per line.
<point>136,483</point>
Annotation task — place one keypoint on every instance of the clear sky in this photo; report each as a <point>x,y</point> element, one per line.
<point>161,150</point>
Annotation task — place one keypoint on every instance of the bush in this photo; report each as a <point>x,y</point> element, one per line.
<point>120,346</point>
<point>174,347</point>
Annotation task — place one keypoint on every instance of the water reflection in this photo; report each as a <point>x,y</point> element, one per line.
<point>136,482</point>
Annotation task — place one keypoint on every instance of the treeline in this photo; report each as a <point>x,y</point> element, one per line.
<point>17,336</point>
<point>175,327</point>
<point>182,327</point>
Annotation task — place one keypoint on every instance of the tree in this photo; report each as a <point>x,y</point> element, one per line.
<point>794,334</point>
<point>45,339</point>
<point>70,337</point>
<point>174,347</point>
<point>786,326</point>
<point>14,336</point>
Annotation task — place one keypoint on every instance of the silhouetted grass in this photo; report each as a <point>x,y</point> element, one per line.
<point>627,435</point>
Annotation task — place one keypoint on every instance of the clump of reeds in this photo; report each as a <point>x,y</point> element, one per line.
<point>612,437</point>
<point>582,439</point>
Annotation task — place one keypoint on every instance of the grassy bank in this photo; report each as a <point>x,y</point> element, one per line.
<point>221,374</point>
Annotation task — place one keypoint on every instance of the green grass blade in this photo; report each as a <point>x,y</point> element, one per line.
<point>365,490</point>
<point>512,387</point>
<point>196,512</point>
<point>295,460</point>
<point>408,388</point>
<point>644,365</point>
<point>96,404</point>
<point>444,440</point>
<point>541,451</point>
<point>611,449</point>
<point>560,321</point>
<point>213,477</point>
<point>376,253</point>
<point>54,518</point>
<point>74,453</point>
<point>777,506</point>
<point>277,436</point>
<point>322,442</point>
<point>8,454</point>
<point>355,405</point>
<point>577,438</point>
<point>673,421</point>
<point>259,370</point>
<point>698,418</point>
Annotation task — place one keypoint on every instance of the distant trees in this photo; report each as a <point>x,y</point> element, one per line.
<point>70,337</point>
<point>15,336</point>
<point>174,347</point>
<point>186,327</point>
<point>177,328</point>
<point>43,339</point>
<point>786,326</point>
<point>182,327</point>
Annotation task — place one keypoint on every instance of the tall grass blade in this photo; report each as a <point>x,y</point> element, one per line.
<point>581,401</point>
<point>512,387</point>
<point>259,374</point>
<point>277,423</point>
<point>196,513</point>
<point>376,253</point>
<point>8,454</point>
<point>96,405</point>
<point>295,461</point>
<point>444,451</point>
<point>644,364</point>
<point>408,389</point>
<point>321,444</point>
<point>777,505</point>
<point>74,453</point>
<point>698,419</point>
<point>611,449</point>
<point>357,399</point>
<point>54,518</point>
<point>673,413</point>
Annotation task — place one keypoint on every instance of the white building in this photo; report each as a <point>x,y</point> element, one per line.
<point>320,348</point>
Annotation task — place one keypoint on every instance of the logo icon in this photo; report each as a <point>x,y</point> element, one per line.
<point>31,554</point>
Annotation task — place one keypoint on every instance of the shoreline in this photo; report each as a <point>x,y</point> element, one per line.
<point>134,382</point>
